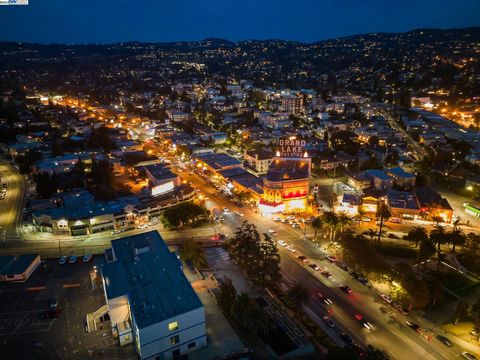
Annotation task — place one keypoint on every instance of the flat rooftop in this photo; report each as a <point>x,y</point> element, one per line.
<point>160,171</point>
<point>151,277</point>
<point>218,161</point>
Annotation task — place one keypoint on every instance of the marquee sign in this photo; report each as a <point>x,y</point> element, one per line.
<point>293,148</point>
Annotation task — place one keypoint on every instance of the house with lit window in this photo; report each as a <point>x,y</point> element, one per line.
<point>258,160</point>
<point>150,301</point>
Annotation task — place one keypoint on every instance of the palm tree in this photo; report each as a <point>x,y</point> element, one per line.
<point>331,220</point>
<point>370,233</point>
<point>256,320</point>
<point>438,236</point>
<point>193,252</point>
<point>298,294</point>
<point>417,235</point>
<point>384,214</point>
<point>427,249</point>
<point>456,237</point>
<point>240,306</point>
<point>344,220</point>
<point>317,224</point>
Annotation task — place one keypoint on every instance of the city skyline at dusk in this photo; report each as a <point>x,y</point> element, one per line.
<point>80,22</point>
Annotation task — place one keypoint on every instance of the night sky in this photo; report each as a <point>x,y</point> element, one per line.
<point>107,21</point>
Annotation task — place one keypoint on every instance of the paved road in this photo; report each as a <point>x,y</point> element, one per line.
<point>389,333</point>
<point>11,206</point>
<point>420,152</point>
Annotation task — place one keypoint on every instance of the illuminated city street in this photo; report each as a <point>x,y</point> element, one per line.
<point>240,180</point>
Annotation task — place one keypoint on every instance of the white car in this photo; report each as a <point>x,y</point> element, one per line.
<point>73,259</point>
<point>272,232</point>
<point>282,243</point>
<point>386,298</point>
<point>87,258</point>
<point>238,213</point>
<point>63,260</point>
<point>291,248</point>
<point>225,210</point>
<point>277,219</point>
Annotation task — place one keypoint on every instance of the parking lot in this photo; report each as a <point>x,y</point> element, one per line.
<point>27,331</point>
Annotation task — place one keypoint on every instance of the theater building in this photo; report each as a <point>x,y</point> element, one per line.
<point>287,182</point>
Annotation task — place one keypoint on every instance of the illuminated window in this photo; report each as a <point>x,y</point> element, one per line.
<point>173,326</point>
<point>174,340</point>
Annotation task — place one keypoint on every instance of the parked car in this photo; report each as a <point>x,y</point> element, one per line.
<point>415,327</point>
<point>63,260</point>
<point>329,321</point>
<point>348,339</point>
<point>72,259</point>
<point>363,280</point>
<point>366,219</point>
<point>53,302</point>
<point>277,219</point>
<point>444,340</point>
<point>342,265</point>
<point>395,220</point>
<point>400,308</point>
<point>354,274</point>
<point>331,259</point>
<point>282,243</point>
<point>386,298</point>
<point>346,289</point>
<point>326,273</point>
<point>87,258</point>
<point>468,356</point>
<point>53,313</point>
<point>239,213</point>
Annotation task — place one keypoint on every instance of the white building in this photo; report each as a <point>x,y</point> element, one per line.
<point>150,301</point>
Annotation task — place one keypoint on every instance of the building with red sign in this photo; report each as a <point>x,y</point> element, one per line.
<point>286,185</point>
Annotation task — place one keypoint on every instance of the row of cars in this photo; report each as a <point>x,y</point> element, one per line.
<point>73,259</point>
<point>3,192</point>
<point>293,221</point>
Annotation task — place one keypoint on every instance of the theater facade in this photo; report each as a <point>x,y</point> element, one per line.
<point>287,182</point>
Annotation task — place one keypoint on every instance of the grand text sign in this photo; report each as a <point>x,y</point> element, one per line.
<point>291,148</point>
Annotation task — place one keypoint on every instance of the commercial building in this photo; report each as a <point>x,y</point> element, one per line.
<point>379,180</point>
<point>178,116</point>
<point>150,301</point>
<point>258,160</point>
<point>292,104</point>
<point>216,162</point>
<point>19,268</point>
<point>401,177</point>
<point>433,205</point>
<point>403,204</point>
<point>286,185</point>
<point>161,179</point>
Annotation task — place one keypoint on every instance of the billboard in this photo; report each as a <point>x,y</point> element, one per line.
<point>292,148</point>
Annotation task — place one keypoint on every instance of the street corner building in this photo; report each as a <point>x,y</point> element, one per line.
<point>287,182</point>
<point>150,301</point>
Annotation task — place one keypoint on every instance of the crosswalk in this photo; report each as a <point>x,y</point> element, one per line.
<point>223,254</point>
